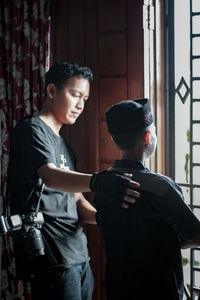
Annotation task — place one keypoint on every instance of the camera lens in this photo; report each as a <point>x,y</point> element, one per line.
<point>34,245</point>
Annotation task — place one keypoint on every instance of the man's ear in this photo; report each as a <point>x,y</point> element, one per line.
<point>51,90</point>
<point>112,138</point>
<point>146,137</point>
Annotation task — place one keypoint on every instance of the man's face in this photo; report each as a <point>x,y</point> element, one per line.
<point>68,101</point>
<point>152,141</point>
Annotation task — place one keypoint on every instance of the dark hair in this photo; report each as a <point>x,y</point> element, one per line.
<point>63,70</point>
<point>127,141</point>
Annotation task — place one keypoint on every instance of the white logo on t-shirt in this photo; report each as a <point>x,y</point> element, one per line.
<point>63,162</point>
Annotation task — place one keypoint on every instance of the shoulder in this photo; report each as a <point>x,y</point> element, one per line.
<point>27,124</point>
<point>159,179</point>
<point>22,130</point>
<point>158,184</point>
<point>32,126</point>
<point>32,132</point>
<point>23,123</point>
<point>154,183</point>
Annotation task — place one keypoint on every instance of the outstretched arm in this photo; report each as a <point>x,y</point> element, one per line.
<point>64,180</point>
<point>111,185</point>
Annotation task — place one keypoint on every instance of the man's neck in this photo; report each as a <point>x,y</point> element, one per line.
<point>47,117</point>
<point>131,155</point>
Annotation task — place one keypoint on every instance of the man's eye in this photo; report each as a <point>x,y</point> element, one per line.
<point>75,95</point>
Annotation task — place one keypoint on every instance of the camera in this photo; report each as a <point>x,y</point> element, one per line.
<point>27,234</point>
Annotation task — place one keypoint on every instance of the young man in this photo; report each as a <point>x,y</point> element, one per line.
<point>38,154</point>
<point>143,242</point>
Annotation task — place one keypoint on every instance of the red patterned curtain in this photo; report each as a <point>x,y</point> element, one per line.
<point>24,58</point>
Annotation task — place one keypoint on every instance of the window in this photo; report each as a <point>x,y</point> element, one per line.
<point>183,130</point>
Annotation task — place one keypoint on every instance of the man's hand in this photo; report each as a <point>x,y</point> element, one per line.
<point>116,187</point>
<point>131,194</point>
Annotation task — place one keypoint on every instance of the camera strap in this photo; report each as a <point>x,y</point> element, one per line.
<point>39,199</point>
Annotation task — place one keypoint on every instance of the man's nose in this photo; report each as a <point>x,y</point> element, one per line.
<point>80,103</point>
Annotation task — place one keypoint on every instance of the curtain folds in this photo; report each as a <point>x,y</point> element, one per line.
<point>24,58</point>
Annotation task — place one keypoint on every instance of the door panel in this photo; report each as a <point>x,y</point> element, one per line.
<point>110,91</point>
<point>112,15</point>
<point>112,54</point>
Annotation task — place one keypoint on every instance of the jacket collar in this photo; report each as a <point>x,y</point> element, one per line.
<point>130,164</point>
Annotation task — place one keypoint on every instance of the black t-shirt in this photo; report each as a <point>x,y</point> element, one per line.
<point>34,144</point>
<point>142,242</point>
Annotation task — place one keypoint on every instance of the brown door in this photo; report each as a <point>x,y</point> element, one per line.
<point>106,35</point>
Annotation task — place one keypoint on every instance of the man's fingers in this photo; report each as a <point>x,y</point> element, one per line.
<point>132,193</point>
<point>125,205</point>
<point>133,184</point>
<point>129,199</point>
<point>128,175</point>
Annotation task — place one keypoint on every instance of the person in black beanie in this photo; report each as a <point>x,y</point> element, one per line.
<point>143,242</point>
<point>43,164</point>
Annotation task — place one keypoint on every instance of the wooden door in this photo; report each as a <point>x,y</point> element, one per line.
<point>108,37</point>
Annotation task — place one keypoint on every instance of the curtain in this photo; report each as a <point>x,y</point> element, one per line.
<point>24,58</point>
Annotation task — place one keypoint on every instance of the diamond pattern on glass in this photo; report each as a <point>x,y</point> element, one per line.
<point>183,90</point>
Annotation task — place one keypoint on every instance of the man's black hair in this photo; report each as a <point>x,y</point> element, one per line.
<point>63,70</point>
<point>127,140</point>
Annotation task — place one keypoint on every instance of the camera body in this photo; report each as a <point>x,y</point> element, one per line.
<point>27,232</point>
<point>31,236</point>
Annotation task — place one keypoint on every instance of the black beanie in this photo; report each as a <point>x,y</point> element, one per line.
<point>128,115</point>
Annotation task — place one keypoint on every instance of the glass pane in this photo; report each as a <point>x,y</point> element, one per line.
<point>196,154</point>
<point>197,278</point>
<point>196,133</point>
<point>186,264</point>
<point>196,67</point>
<point>186,194</point>
<point>196,24</point>
<point>196,175</point>
<point>196,197</point>
<point>196,46</point>
<point>195,5</point>
<point>196,110</point>
<point>196,89</point>
<point>197,257</point>
<point>196,211</point>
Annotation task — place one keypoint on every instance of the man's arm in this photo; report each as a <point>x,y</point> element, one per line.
<point>195,242</point>
<point>86,212</point>
<point>108,183</point>
<point>180,217</point>
<point>64,180</point>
